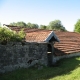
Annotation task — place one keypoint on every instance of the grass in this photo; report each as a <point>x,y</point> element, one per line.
<point>67,69</point>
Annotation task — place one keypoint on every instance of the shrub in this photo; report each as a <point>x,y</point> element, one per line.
<point>9,35</point>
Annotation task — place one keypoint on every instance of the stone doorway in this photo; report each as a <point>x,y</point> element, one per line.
<point>49,55</point>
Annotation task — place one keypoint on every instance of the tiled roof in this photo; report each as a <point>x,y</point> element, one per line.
<point>35,35</point>
<point>27,30</point>
<point>69,43</point>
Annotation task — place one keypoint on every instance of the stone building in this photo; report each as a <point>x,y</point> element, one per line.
<point>64,45</point>
<point>40,36</point>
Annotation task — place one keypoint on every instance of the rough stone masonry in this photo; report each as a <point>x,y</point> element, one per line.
<point>16,55</point>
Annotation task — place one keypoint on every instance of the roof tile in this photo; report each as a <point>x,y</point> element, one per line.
<point>38,36</point>
<point>69,43</point>
<point>33,35</point>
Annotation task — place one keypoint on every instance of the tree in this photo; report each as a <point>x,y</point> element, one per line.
<point>13,24</point>
<point>20,24</point>
<point>23,24</point>
<point>30,25</point>
<point>63,29</point>
<point>77,26</point>
<point>56,25</point>
<point>43,27</point>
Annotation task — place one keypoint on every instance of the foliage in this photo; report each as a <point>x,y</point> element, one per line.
<point>43,27</point>
<point>20,24</point>
<point>67,69</point>
<point>77,26</point>
<point>21,34</point>
<point>8,35</point>
<point>56,25</point>
<point>23,24</point>
<point>53,25</point>
<point>30,25</point>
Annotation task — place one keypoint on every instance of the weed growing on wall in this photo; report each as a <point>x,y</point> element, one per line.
<point>7,35</point>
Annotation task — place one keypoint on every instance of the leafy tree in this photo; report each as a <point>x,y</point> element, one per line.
<point>35,26</point>
<point>63,29</point>
<point>20,24</point>
<point>43,27</point>
<point>56,25</point>
<point>23,24</point>
<point>77,26</point>
<point>13,24</point>
<point>30,25</point>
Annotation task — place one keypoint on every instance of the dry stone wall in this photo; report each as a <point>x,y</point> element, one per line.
<point>16,55</point>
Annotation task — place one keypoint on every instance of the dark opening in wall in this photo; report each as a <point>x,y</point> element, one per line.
<point>49,55</point>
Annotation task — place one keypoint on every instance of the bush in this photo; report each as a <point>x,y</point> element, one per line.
<point>7,35</point>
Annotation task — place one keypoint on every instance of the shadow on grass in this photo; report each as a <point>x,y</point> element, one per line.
<point>65,66</point>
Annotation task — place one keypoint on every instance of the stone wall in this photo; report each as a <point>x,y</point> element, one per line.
<point>16,55</point>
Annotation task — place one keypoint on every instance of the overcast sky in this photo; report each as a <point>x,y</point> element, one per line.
<point>40,11</point>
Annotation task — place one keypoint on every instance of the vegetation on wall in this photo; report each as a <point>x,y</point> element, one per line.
<point>9,35</point>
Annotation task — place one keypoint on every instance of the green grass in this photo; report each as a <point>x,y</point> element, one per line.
<point>67,69</point>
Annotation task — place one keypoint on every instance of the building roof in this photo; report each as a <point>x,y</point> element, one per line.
<point>69,43</point>
<point>36,35</point>
<point>41,36</point>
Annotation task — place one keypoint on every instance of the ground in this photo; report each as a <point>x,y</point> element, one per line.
<point>67,69</point>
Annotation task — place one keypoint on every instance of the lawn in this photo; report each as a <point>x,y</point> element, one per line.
<point>67,69</point>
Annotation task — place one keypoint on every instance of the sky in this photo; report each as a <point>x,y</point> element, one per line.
<point>40,11</point>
